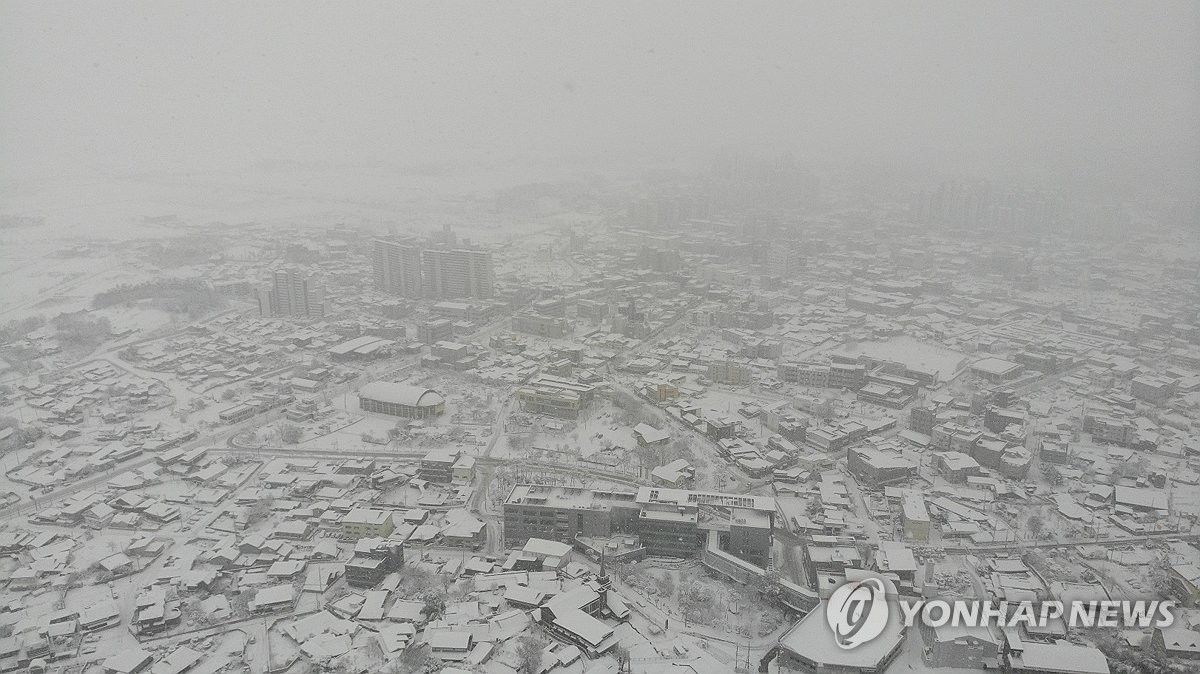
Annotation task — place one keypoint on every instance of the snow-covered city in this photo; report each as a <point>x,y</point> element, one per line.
<point>632,416</point>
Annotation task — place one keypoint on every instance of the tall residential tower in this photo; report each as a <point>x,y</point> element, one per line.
<point>294,293</point>
<point>459,272</point>
<point>396,265</point>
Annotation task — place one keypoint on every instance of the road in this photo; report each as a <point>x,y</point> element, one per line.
<point>1009,547</point>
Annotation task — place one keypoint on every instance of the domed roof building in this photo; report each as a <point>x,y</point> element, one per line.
<point>401,400</point>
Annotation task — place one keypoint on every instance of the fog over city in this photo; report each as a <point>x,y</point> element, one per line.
<point>582,338</point>
<point>1104,90</point>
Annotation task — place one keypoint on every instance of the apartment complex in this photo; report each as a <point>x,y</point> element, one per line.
<point>459,272</point>
<point>396,266</point>
<point>405,267</point>
<point>823,375</point>
<point>292,293</point>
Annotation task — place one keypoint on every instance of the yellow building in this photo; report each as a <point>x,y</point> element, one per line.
<point>367,523</point>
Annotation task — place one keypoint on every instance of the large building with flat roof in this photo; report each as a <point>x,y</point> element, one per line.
<point>810,646</point>
<point>668,522</point>
<point>997,370</point>
<point>555,396</point>
<point>367,523</point>
<point>876,468</point>
<point>366,346</point>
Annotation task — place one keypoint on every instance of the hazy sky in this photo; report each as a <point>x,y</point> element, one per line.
<point>974,86</point>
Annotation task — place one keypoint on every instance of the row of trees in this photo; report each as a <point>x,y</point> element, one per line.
<point>13,331</point>
<point>73,331</point>
<point>183,251</point>
<point>80,330</point>
<point>290,434</point>
<point>22,433</point>
<point>194,297</point>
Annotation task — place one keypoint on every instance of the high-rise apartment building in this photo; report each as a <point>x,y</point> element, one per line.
<point>292,292</point>
<point>459,272</point>
<point>396,267</point>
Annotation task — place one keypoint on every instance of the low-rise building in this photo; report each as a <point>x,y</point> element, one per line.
<point>1155,390</point>
<point>893,397</point>
<point>1184,580</point>
<point>434,331</point>
<point>676,474</point>
<point>731,372</point>
<point>438,465</point>
<point>533,323</point>
<point>571,617</point>
<point>272,598</point>
<point>876,469</point>
<point>996,370</point>
<point>463,470</point>
<point>914,516</point>
<point>374,559</point>
<point>668,522</point>
<point>960,646</point>
<point>649,436</point>
<point>956,467</point>
<point>367,523</point>
<point>810,646</point>
<point>955,437</point>
<point>1060,657</point>
<point>555,396</point>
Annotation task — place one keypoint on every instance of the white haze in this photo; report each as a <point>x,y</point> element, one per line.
<point>1074,90</point>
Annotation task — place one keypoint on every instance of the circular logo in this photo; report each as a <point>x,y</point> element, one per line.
<point>857,612</point>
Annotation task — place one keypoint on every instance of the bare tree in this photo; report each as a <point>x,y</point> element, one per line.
<point>413,660</point>
<point>290,434</point>
<point>1035,524</point>
<point>435,603</point>
<point>623,659</point>
<point>260,511</point>
<point>529,653</point>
